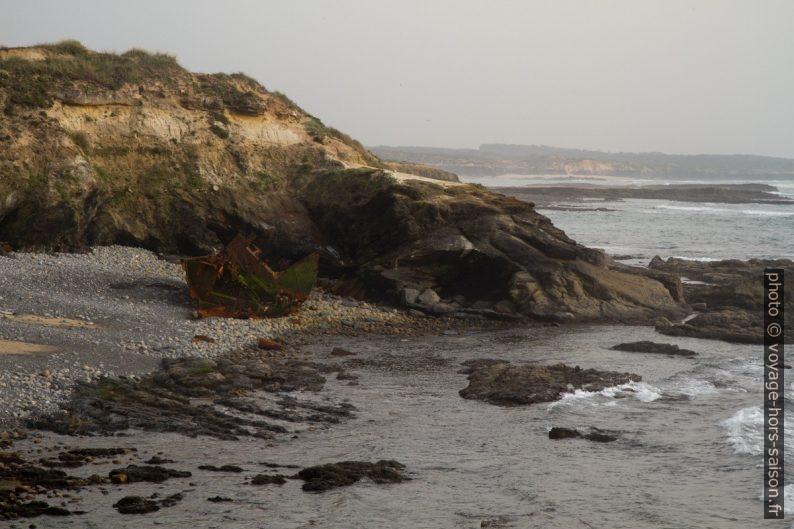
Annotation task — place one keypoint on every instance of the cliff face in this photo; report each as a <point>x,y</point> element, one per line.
<point>100,149</point>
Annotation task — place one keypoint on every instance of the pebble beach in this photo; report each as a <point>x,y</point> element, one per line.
<point>116,311</point>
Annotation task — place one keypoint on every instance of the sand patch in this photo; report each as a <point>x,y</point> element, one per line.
<point>10,347</point>
<point>34,319</point>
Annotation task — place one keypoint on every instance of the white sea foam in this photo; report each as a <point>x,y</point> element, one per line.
<point>745,431</point>
<point>693,387</point>
<point>766,213</point>
<point>704,259</point>
<point>639,390</point>
<point>704,209</point>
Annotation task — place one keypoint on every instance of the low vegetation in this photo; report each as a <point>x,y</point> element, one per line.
<point>32,83</point>
<point>225,88</point>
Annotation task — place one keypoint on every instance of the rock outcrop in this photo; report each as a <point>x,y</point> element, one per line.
<point>98,148</point>
<point>174,399</point>
<point>654,348</point>
<point>325,477</point>
<point>729,296</point>
<point>512,384</point>
<point>594,434</point>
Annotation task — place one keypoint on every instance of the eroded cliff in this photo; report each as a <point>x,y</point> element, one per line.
<point>98,148</point>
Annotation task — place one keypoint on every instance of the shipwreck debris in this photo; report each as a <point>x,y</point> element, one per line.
<point>269,345</point>
<point>238,283</point>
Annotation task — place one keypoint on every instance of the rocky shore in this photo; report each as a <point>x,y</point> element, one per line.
<point>728,297</point>
<point>544,196</point>
<point>228,381</point>
<point>112,385</point>
<point>151,155</point>
<point>116,311</point>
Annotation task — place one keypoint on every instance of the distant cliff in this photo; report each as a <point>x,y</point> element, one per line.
<point>496,159</point>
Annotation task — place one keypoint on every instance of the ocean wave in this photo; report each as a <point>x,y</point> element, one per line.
<point>639,390</point>
<point>704,259</point>
<point>763,213</point>
<point>704,209</point>
<point>745,431</point>
<point>693,387</point>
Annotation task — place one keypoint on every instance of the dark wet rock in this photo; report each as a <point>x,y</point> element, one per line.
<point>100,452</point>
<point>652,347</point>
<point>729,325</point>
<point>499,522</point>
<point>141,505</point>
<point>277,465</point>
<point>511,384</point>
<point>157,460</point>
<point>219,499</point>
<point>224,468</point>
<point>729,297</point>
<point>600,437</point>
<point>469,366</point>
<point>30,475</point>
<point>136,505</point>
<point>173,499</point>
<point>666,397</point>
<point>63,463</point>
<point>291,410</point>
<point>154,474</point>
<point>324,477</point>
<point>558,432</point>
<point>19,479</point>
<point>8,437</point>
<point>338,351</point>
<point>266,479</point>
<point>163,400</point>
<point>31,509</point>
<point>595,434</point>
<point>78,457</point>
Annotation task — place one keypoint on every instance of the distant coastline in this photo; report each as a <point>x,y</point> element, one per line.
<point>499,159</point>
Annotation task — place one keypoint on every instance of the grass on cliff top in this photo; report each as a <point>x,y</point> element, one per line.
<point>225,87</point>
<point>319,130</point>
<point>31,83</point>
<point>351,186</point>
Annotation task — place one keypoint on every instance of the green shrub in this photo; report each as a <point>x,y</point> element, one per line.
<point>81,140</point>
<point>219,116</point>
<point>222,86</point>
<point>286,100</point>
<point>69,47</point>
<point>219,131</point>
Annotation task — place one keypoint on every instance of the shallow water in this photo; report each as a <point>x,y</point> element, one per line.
<point>681,464</point>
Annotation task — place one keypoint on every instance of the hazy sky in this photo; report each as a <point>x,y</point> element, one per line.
<point>676,76</point>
